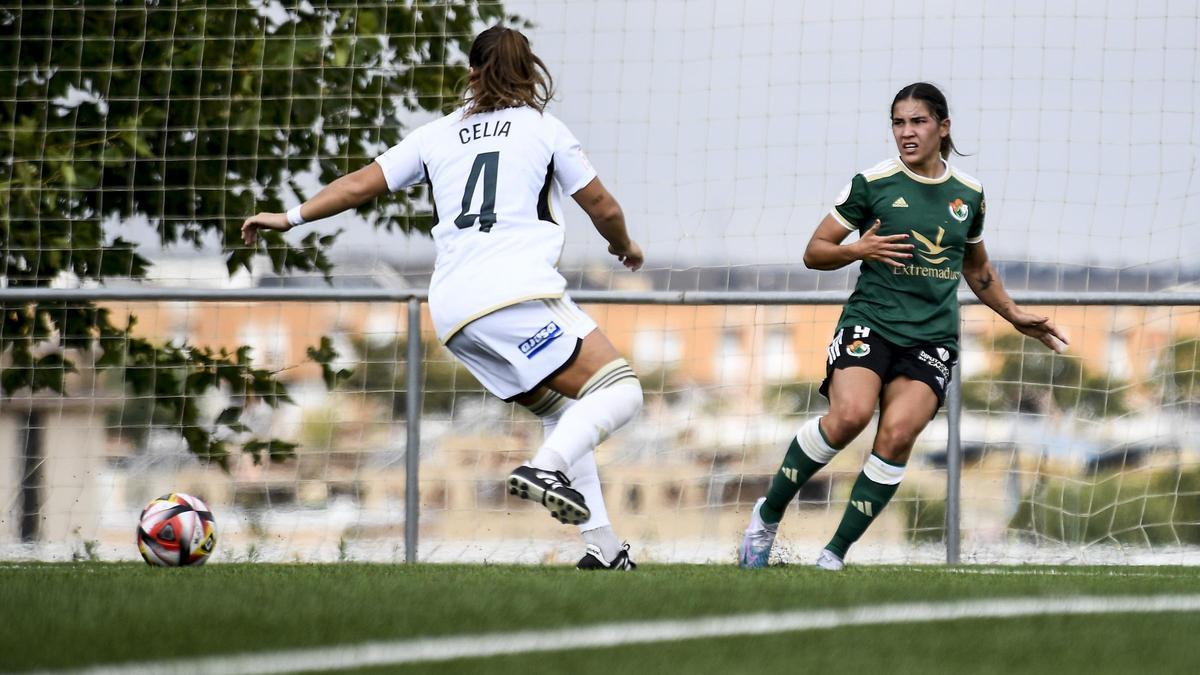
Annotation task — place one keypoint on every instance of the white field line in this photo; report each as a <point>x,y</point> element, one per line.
<point>641,632</point>
<point>1017,572</point>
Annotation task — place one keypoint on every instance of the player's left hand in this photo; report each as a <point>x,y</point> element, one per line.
<point>630,256</point>
<point>1042,328</point>
<point>263,221</point>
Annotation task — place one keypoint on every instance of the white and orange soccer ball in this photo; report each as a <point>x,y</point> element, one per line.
<point>176,530</point>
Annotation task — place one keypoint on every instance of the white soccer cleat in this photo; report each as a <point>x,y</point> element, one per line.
<point>828,560</point>
<point>755,550</point>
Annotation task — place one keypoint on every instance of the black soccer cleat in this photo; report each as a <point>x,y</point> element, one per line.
<point>552,490</point>
<point>594,560</point>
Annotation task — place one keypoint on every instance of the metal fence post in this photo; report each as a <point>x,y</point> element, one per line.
<point>953,466</point>
<point>32,476</point>
<point>412,448</point>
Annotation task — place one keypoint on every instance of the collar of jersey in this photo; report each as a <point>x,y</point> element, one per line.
<point>922,179</point>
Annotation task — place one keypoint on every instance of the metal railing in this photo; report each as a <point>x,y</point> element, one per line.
<point>413,298</point>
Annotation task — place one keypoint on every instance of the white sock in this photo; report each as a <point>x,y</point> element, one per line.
<point>606,540</point>
<point>593,417</point>
<point>549,460</point>
<point>585,478</point>
<point>550,409</point>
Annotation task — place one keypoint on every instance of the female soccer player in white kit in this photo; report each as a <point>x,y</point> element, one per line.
<point>497,167</point>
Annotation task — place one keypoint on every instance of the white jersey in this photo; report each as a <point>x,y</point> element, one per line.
<point>497,180</point>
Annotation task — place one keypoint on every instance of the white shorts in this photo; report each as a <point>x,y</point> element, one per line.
<point>513,350</point>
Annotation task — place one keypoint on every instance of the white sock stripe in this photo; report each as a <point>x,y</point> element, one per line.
<point>544,404</point>
<point>607,376</point>
<point>813,444</point>
<point>612,378</point>
<point>600,374</point>
<point>548,405</point>
<point>881,472</point>
<point>612,382</point>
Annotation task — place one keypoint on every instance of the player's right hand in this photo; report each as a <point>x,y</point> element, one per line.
<point>630,256</point>
<point>887,249</point>
<point>263,221</point>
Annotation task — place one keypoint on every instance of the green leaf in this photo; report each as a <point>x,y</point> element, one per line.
<point>229,416</point>
<point>324,355</point>
<point>213,144</point>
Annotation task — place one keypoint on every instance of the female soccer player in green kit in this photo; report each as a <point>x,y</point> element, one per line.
<point>921,228</point>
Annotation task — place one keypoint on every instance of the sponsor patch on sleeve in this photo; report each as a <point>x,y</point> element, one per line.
<point>539,340</point>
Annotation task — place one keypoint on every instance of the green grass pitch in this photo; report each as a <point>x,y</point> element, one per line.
<point>71,615</point>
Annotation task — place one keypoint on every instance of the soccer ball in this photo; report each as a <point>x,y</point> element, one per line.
<point>176,530</point>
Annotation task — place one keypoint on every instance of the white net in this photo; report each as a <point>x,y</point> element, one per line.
<point>724,129</point>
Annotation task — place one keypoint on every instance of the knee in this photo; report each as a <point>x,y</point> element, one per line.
<point>894,442</point>
<point>845,423</point>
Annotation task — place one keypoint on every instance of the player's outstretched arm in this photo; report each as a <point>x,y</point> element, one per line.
<point>985,283</point>
<point>826,252</point>
<point>347,192</point>
<point>606,215</point>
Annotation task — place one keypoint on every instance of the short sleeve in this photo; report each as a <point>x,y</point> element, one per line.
<point>851,206</point>
<point>572,169</point>
<point>975,232</point>
<point>401,164</point>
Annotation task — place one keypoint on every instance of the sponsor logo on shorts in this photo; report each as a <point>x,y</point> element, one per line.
<point>858,348</point>
<point>539,340</point>
<point>925,357</point>
<point>943,353</point>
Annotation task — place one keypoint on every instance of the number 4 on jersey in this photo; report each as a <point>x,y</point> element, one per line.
<point>487,164</point>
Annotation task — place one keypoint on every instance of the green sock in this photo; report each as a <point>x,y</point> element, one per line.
<point>867,499</point>
<point>797,468</point>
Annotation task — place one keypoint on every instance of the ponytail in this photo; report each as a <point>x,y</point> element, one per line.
<point>506,73</point>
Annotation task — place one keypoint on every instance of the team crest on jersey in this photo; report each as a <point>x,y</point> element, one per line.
<point>960,210</point>
<point>539,340</point>
<point>858,348</point>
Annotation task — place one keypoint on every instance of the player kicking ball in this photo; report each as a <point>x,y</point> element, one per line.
<point>497,167</point>
<point>920,225</point>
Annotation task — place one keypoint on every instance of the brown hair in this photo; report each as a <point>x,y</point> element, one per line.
<point>935,100</point>
<point>506,73</point>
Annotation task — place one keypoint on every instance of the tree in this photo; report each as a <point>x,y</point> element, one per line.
<point>1031,378</point>
<point>382,373</point>
<point>193,117</point>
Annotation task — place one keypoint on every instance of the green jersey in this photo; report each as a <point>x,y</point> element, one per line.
<point>918,303</point>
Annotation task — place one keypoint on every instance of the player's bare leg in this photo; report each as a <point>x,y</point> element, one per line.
<point>906,407</point>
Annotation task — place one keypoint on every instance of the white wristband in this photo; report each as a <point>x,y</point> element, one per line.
<point>293,216</point>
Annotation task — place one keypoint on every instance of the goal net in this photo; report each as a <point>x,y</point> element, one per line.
<point>725,130</point>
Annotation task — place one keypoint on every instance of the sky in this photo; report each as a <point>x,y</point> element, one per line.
<point>726,129</point>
